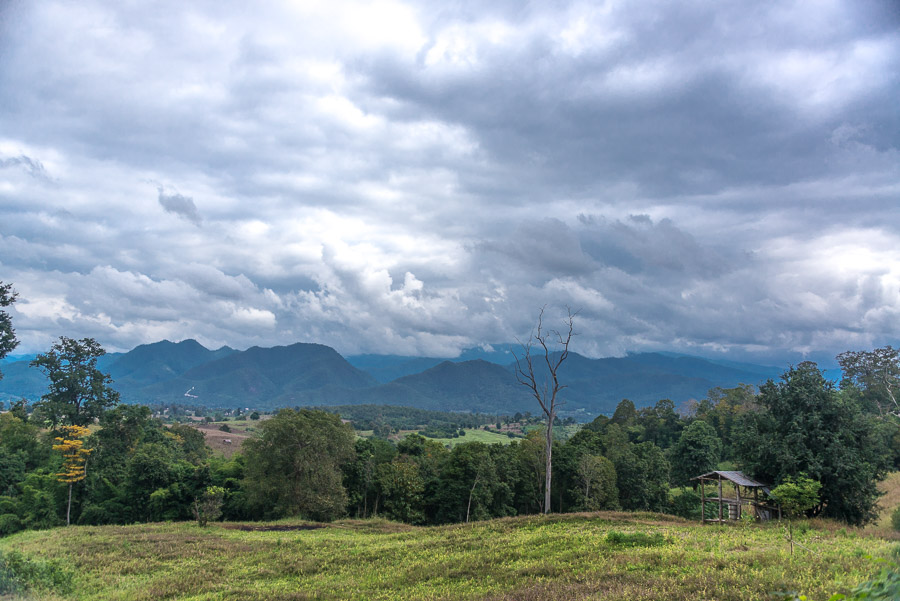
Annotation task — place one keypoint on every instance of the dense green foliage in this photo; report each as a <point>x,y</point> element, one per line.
<point>294,465</point>
<point>805,426</point>
<point>876,376</point>
<point>797,495</point>
<point>697,451</point>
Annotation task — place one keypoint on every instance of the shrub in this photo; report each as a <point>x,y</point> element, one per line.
<point>686,504</point>
<point>895,518</point>
<point>8,505</point>
<point>17,574</point>
<point>10,524</point>
<point>209,505</point>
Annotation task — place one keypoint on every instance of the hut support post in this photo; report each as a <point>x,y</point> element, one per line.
<point>702,501</point>
<point>720,498</point>
<point>737,491</point>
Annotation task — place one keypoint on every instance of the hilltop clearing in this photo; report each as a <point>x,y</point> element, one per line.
<point>614,556</point>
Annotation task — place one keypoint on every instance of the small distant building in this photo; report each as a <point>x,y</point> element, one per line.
<point>731,507</point>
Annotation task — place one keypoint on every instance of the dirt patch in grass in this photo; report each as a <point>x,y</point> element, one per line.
<point>216,439</point>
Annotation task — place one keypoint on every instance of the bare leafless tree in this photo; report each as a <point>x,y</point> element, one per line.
<point>545,348</point>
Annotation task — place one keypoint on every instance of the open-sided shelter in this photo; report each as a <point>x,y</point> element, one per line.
<point>730,508</point>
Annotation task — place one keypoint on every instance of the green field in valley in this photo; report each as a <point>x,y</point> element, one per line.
<point>476,435</point>
<point>610,556</point>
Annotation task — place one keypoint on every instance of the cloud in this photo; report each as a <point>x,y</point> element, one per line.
<point>32,167</point>
<point>418,177</point>
<point>182,206</point>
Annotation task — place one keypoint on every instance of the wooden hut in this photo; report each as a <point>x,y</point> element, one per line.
<point>730,507</point>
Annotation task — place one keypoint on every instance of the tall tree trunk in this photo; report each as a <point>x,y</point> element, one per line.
<point>549,449</point>
<point>546,391</point>
<point>471,492</point>
<point>69,507</point>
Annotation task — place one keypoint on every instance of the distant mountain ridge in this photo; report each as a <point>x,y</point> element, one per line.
<point>479,380</point>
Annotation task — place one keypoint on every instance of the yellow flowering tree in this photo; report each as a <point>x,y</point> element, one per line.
<point>71,445</point>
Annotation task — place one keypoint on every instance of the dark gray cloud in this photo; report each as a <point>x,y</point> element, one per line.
<point>32,167</point>
<point>183,206</point>
<point>417,177</point>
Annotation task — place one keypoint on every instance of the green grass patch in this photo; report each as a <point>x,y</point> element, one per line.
<point>610,556</point>
<point>636,539</point>
<point>476,435</point>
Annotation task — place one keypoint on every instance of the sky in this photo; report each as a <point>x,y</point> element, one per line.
<point>717,178</point>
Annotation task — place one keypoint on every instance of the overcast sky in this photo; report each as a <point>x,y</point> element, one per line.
<point>718,178</point>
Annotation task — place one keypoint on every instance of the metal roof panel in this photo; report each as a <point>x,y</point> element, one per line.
<point>733,476</point>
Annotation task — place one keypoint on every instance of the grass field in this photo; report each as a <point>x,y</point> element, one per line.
<point>610,556</point>
<point>476,435</point>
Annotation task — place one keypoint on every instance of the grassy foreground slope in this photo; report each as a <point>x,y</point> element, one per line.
<point>612,556</point>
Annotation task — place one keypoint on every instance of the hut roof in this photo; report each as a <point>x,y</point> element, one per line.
<point>737,477</point>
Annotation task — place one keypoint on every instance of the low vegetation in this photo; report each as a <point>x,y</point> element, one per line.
<point>610,555</point>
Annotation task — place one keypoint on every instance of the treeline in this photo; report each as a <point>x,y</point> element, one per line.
<point>384,420</point>
<point>308,463</point>
<point>645,459</point>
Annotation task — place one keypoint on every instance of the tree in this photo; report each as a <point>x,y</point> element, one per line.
<point>721,409</point>
<point>359,474</point>
<point>74,458</point>
<point>19,437</point>
<point>294,464</point>
<point>541,376</point>
<point>402,486</point>
<point>625,414</point>
<point>208,506</point>
<point>532,456</point>
<point>431,457</point>
<point>469,484</point>
<point>796,496</point>
<point>79,392</point>
<point>805,426</point>
<point>598,477</point>
<point>696,452</point>
<point>648,470</point>
<point>876,374</point>
<point>8,340</point>
<point>660,423</point>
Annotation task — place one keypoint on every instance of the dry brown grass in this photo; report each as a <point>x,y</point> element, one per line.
<point>891,499</point>
<point>215,438</point>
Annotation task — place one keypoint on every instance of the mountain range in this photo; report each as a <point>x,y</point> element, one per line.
<point>302,374</point>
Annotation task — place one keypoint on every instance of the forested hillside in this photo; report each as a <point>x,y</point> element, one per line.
<point>311,374</point>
